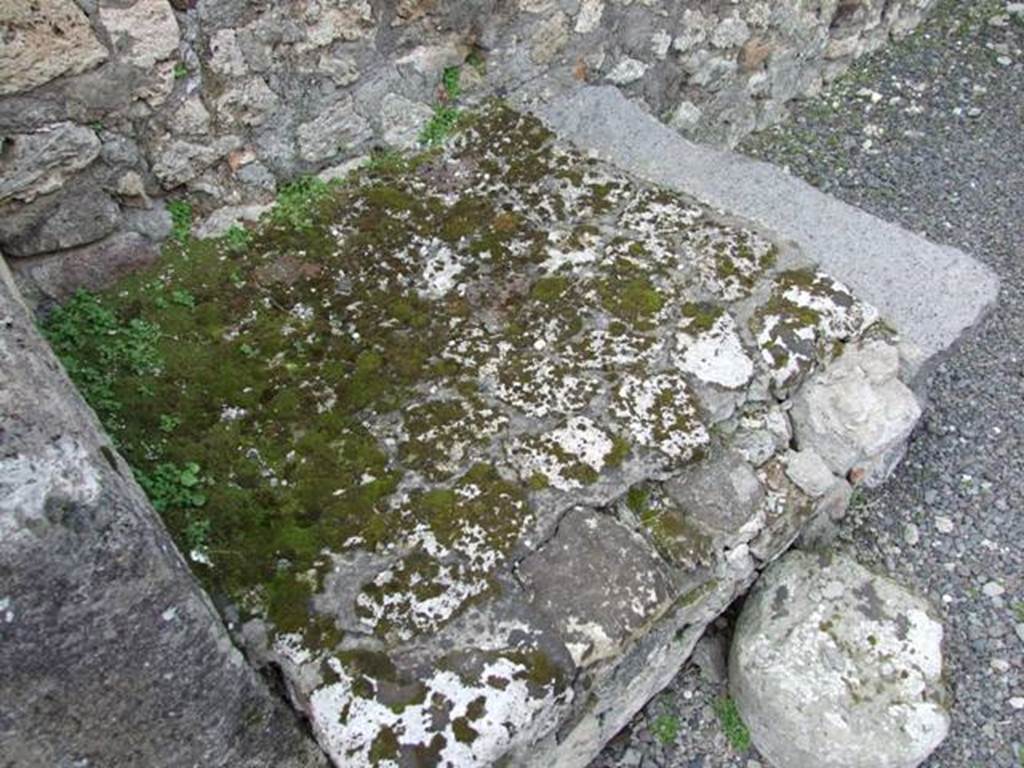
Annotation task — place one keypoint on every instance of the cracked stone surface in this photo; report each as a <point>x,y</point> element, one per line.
<point>484,439</point>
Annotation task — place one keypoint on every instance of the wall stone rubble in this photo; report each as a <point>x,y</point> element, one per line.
<point>133,102</point>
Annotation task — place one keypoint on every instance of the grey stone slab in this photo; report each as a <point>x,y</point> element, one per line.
<point>930,293</point>
<point>111,654</point>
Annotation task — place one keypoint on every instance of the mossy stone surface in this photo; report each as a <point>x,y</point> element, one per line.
<point>360,421</point>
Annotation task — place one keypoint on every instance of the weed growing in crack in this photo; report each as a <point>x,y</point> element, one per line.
<point>732,724</point>
<point>446,114</point>
<point>665,728</point>
<point>181,220</point>
<point>238,238</point>
<point>98,349</point>
<point>297,201</point>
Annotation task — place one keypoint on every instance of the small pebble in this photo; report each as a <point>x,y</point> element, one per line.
<point>1017,702</point>
<point>1000,665</point>
<point>911,535</point>
<point>943,524</point>
<point>993,589</point>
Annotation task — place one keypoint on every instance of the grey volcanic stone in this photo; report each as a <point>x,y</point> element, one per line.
<point>44,40</point>
<point>721,495</point>
<point>77,215</point>
<point>598,582</point>
<point>833,666</point>
<point>55,277</point>
<point>36,163</point>
<point>179,161</point>
<point>111,653</point>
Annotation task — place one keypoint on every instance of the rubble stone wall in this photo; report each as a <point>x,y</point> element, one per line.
<point>109,109</point>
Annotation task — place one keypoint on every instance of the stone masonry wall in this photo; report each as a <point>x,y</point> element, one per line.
<point>111,108</point>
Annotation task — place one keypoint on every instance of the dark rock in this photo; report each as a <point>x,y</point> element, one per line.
<point>77,215</point>
<point>56,277</point>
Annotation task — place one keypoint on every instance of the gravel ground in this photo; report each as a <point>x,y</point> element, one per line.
<point>928,133</point>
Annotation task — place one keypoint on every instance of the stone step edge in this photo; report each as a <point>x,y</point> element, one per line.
<point>932,294</point>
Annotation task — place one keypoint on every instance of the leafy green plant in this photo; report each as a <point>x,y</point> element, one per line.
<point>197,534</point>
<point>387,161</point>
<point>450,82</point>
<point>446,114</point>
<point>732,724</point>
<point>97,348</point>
<point>172,487</point>
<point>180,71</point>
<point>439,126</point>
<point>636,500</point>
<point>296,201</point>
<point>169,423</point>
<point>183,298</point>
<point>181,220</point>
<point>665,728</point>
<point>237,238</point>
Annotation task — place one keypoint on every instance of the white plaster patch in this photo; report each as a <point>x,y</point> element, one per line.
<point>715,355</point>
<point>656,213</point>
<point>440,273</point>
<point>593,642</point>
<point>659,412</point>
<point>729,260</point>
<point>509,714</point>
<point>540,386</point>
<point>558,455</point>
<point>601,349</point>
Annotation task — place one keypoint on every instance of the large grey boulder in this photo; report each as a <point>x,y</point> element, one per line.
<point>111,654</point>
<point>833,666</point>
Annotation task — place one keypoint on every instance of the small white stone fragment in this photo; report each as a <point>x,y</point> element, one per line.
<point>993,589</point>
<point>687,115</point>
<point>627,71</point>
<point>589,17</point>
<point>911,534</point>
<point>661,41</point>
<point>943,524</point>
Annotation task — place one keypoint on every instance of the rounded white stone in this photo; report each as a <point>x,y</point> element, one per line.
<point>829,677</point>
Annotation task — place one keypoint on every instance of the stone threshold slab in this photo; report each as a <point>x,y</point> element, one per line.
<point>930,293</point>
